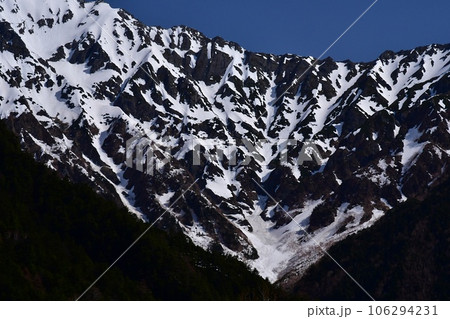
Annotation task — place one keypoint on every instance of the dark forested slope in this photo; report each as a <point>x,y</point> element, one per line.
<point>405,256</point>
<point>57,237</point>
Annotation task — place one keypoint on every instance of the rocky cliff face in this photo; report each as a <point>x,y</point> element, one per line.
<point>78,80</point>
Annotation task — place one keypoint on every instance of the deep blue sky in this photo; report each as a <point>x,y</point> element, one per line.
<point>305,27</point>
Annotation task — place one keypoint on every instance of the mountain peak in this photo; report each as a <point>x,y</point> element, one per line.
<point>78,82</point>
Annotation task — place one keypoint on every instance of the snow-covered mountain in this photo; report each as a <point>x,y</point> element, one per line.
<point>78,80</point>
